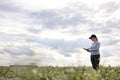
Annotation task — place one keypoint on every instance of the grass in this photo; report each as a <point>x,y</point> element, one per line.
<point>59,73</point>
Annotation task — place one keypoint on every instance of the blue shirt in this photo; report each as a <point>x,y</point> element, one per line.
<point>94,49</point>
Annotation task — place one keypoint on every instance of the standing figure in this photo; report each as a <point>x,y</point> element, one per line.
<point>94,49</point>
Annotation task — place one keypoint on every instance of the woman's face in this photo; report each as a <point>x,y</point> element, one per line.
<point>93,39</point>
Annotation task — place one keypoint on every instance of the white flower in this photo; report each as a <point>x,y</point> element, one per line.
<point>34,71</point>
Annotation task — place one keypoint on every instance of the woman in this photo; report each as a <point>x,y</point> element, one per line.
<point>95,54</point>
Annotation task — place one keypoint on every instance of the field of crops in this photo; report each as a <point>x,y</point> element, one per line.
<point>59,73</point>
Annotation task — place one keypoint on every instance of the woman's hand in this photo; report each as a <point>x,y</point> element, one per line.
<point>86,49</point>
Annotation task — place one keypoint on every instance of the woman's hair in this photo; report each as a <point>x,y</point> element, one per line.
<point>96,38</point>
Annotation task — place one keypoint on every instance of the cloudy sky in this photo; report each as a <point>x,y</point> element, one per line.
<point>53,32</point>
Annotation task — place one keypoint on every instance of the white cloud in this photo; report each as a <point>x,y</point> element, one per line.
<point>5,59</point>
<point>42,4</point>
<point>55,4</point>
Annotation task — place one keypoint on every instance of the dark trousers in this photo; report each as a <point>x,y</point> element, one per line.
<point>95,59</point>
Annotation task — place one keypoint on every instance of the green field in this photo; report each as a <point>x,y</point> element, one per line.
<point>59,73</point>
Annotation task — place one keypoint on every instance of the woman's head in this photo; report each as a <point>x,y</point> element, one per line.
<point>93,37</point>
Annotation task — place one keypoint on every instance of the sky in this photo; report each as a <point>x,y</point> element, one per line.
<point>54,32</point>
